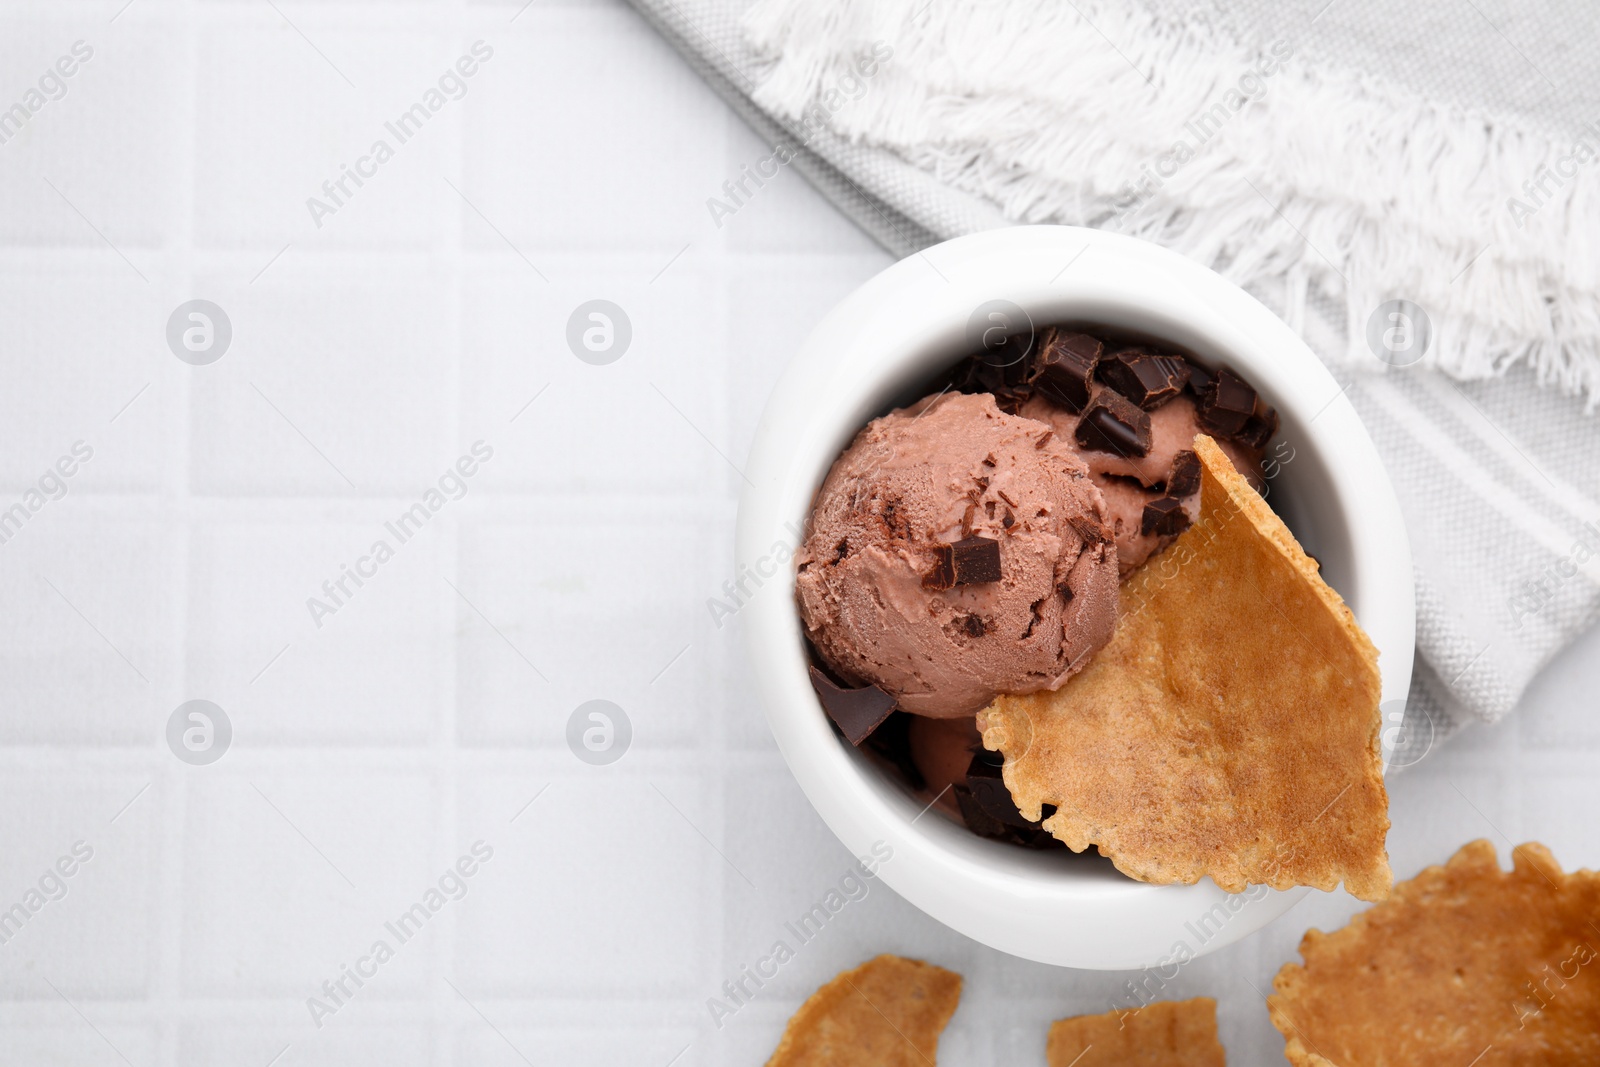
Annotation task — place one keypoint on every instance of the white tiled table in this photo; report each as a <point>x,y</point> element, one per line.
<point>424,714</point>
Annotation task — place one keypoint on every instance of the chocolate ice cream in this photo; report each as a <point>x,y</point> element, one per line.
<point>955,552</point>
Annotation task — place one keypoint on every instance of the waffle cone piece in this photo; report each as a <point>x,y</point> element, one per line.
<point>888,1012</point>
<point>1168,1033</point>
<point>1229,729</point>
<point>1463,964</point>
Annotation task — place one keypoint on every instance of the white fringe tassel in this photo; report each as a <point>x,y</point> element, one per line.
<point>1266,165</point>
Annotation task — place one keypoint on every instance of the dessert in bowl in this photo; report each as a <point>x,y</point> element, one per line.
<point>1094,514</point>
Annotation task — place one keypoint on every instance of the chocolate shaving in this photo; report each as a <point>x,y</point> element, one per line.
<point>1146,378</point>
<point>976,560</point>
<point>1088,530</point>
<point>943,574</point>
<point>1184,478</point>
<point>1164,517</point>
<point>1112,424</point>
<point>856,712</point>
<point>1034,618</point>
<point>1064,366</point>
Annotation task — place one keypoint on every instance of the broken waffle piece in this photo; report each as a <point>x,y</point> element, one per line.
<point>1168,1033</point>
<point>1229,729</point>
<point>888,1012</point>
<point>1465,963</point>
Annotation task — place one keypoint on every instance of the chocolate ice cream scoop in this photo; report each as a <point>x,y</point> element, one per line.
<point>955,552</point>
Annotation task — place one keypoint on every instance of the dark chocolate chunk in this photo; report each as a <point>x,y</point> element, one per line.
<point>1199,378</point>
<point>1146,378</point>
<point>1164,517</point>
<point>1112,424</point>
<point>1011,398</point>
<point>982,823</point>
<point>1227,404</point>
<point>988,788</point>
<point>943,573</point>
<point>857,712</point>
<point>1258,428</point>
<point>1006,365</point>
<point>1064,367</point>
<point>978,820</point>
<point>1184,478</point>
<point>964,377</point>
<point>973,625</point>
<point>976,560</point>
<point>891,742</point>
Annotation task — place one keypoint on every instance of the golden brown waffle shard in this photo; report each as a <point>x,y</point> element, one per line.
<point>888,1012</point>
<point>1465,964</point>
<point>1229,729</point>
<point>1168,1033</point>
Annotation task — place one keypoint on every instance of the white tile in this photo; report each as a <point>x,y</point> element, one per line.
<point>515,1046</point>
<point>290,877</point>
<point>565,910</point>
<point>609,611</point>
<point>773,304</point>
<point>1557,812</point>
<point>338,1043</point>
<point>290,673</point>
<point>1557,710</point>
<point>89,636</point>
<point>87,887</point>
<point>635,168</point>
<point>84,348</point>
<point>723,607</point>
<point>332,386</point>
<point>109,143</point>
<point>1440,804</point>
<point>649,423</point>
<point>276,120</point>
<point>73,1041</point>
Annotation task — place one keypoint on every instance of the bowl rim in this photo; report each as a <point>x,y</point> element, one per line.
<point>871,347</point>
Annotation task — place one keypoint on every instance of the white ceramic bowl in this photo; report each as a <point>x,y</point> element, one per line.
<point>870,354</point>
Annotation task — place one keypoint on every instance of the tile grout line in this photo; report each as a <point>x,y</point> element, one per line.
<point>176,268</point>
<point>446,779</point>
